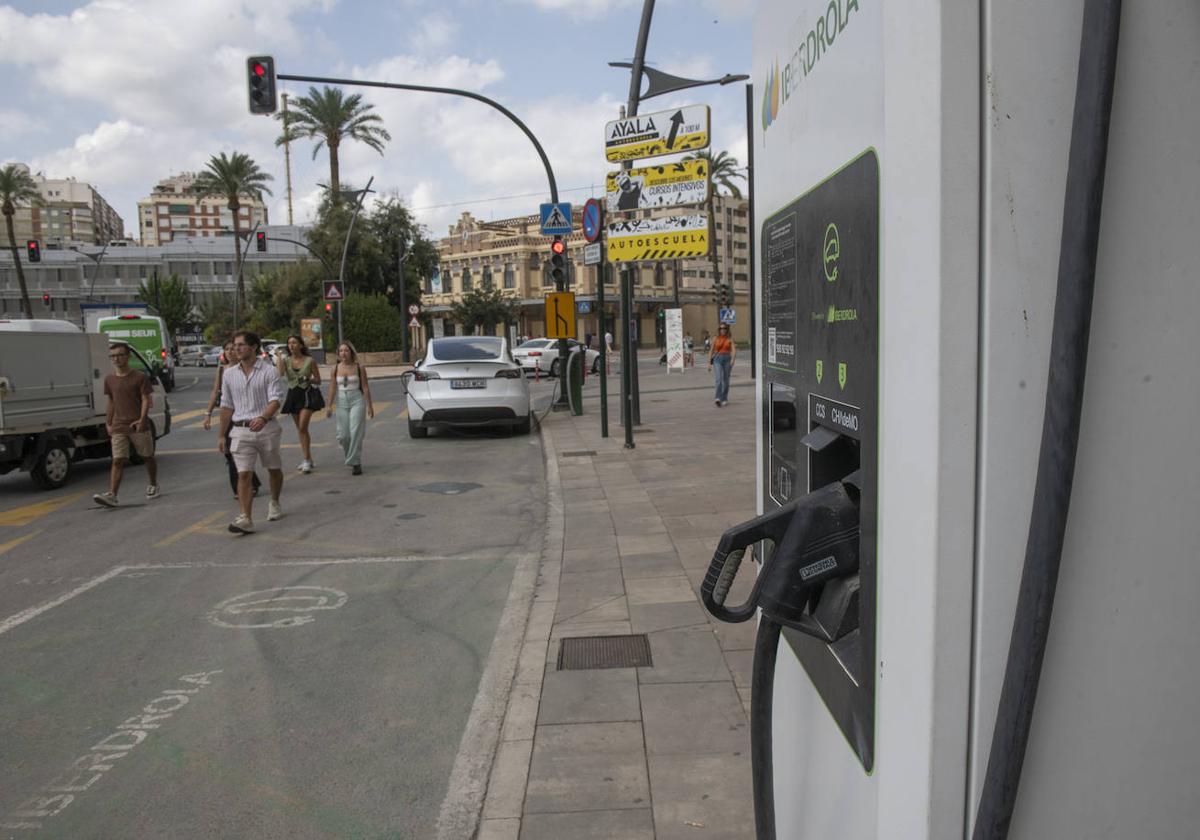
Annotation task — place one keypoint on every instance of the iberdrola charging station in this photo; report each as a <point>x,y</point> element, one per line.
<point>976,573</point>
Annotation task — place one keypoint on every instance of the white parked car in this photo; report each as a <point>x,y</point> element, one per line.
<point>467,381</point>
<point>542,353</point>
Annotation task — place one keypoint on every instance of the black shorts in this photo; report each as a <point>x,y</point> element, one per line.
<point>300,399</point>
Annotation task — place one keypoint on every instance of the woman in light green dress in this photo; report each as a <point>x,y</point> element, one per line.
<point>350,395</point>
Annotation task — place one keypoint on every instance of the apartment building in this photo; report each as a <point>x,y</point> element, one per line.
<point>173,211</point>
<point>511,255</point>
<point>69,212</point>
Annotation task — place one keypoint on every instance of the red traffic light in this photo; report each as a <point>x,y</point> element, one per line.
<point>33,250</point>
<point>259,70</point>
<point>46,298</point>
<point>558,246</point>
<point>328,308</point>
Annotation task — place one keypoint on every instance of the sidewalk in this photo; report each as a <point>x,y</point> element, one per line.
<point>634,753</point>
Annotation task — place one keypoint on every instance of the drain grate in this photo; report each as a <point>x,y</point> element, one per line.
<point>582,453</point>
<point>582,653</point>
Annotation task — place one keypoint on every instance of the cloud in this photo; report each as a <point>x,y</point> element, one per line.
<point>14,123</point>
<point>433,33</point>
<point>582,9</point>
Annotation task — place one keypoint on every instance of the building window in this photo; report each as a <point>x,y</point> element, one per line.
<point>510,277</point>
<point>466,278</point>
<point>487,277</point>
<point>659,277</point>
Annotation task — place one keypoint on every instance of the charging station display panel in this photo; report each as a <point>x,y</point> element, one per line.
<point>820,270</point>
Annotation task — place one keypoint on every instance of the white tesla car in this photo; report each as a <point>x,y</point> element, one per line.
<point>543,354</point>
<point>467,381</point>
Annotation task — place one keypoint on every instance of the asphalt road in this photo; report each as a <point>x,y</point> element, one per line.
<point>160,677</point>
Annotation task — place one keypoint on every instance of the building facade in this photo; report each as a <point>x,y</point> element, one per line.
<point>69,212</point>
<point>511,255</point>
<point>174,212</point>
<point>66,277</point>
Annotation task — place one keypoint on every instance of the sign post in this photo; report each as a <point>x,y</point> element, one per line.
<point>560,318</point>
<point>661,133</point>
<point>674,319</point>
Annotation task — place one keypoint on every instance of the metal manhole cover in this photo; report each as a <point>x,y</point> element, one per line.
<point>449,488</point>
<point>582,653</point>
<point>582,453</point>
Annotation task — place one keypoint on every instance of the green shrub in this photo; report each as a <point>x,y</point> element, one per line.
<point>370,323</point>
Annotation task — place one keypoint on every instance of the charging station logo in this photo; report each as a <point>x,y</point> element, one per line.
<point>770,102</point>
<point>831,252</point>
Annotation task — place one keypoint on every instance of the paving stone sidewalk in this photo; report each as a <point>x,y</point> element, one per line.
<point>635,753</point>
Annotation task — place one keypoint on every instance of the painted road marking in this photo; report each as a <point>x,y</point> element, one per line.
<point>30,513</point>
<point>246,611</point>
<point>186,415</point>
<point>11,544</point>
<point>90,767</point>
<point>191,529</point>
<point>402,414</point>
<point>33,612</point>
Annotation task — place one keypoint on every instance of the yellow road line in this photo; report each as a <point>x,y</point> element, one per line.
<point>402,414</point>
<point>191,529</point>
<point>30,513</point>
<point>186,415</point>
<point>11,544</point>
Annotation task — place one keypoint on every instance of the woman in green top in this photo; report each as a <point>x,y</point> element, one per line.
<point>304,393</point>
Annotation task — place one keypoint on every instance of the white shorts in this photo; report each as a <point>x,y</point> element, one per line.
<point>245,445</point>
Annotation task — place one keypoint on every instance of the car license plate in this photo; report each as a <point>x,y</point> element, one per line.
<point>468,383</point>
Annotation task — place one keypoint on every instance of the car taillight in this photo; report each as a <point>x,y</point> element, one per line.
<point>509,373</point>
<point>535,352</point>
<point>425,375</point>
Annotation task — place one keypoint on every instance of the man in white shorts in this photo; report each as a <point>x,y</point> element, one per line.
<point>251,394</point>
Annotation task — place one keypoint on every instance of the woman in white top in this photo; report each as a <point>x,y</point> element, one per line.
<point>350,394</point>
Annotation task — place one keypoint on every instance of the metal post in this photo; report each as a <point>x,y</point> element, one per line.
<point>627,358</point>
<point>750,227</point>
<point>402,253</point>
<point>287,157</point>
<point>600,308</point>
<point>346,247</point>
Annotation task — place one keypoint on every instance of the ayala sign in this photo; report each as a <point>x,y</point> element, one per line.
<point>820,38</point>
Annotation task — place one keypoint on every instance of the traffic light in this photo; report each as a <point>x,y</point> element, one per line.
<point>33,250</point>
<point>260,73</point>
<point>328,308</point>
<point>558,263</point>
<point>261,240</point>
<point>46,298</point>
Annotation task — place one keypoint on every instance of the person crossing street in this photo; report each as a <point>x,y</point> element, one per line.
<point>129,400</point>
<point>251,394</point>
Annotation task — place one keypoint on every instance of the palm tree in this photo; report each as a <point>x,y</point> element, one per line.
<point>231,178</point>
<point>16,187</point>
<point>724,170</point>
<point>329,117</point>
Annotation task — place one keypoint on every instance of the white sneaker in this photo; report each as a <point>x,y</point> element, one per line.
<point>274,511</point>
<point>242,524</point>
<point>105,499</point>
<point>152,491</point>
<point>306,466</point>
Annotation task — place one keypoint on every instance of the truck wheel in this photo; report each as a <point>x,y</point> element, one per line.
<point>416,430</point>
<point>168,382</point>
<point>53,467</point>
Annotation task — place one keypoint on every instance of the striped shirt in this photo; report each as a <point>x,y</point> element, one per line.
<point>249,396</point>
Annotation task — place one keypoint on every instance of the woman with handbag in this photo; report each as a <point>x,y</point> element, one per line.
<point>351,394</point>
<point>304,393</point>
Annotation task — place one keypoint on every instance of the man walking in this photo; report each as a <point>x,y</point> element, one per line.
<point>129,399</point>
<point>251,394</point>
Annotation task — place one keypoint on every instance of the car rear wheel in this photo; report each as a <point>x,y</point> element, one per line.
<point>53,467</point>
<point>416,430</point>
<point>554,368</point>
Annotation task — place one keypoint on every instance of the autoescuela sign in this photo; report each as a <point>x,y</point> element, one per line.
<point>664,238</point>
<point>661,133</point>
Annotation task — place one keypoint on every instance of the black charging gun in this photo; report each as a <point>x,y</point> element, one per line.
<point>808,581</point>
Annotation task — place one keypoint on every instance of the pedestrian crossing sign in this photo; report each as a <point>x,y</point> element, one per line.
<point>333,290</point>
<point>556,219</point>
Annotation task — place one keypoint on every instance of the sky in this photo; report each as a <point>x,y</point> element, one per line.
<point>122,93</point>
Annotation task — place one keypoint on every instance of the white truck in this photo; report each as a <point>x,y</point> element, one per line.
<point>52,402</point>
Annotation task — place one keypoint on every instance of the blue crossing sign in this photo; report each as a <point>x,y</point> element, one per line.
<point>556,219</point>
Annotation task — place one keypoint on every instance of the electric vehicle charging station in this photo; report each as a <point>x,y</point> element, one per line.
<point>911,163</point>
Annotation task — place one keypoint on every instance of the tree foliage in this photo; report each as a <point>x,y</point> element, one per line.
<point>485,308</point>
<point>370,323</point>
<point>17,187</point>
<point>216,314</point>
<point>280,299</point>
<point>171,297</point>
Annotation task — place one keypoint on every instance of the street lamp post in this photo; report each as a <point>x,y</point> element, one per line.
<point>362,194</point>
<point>659,83</point>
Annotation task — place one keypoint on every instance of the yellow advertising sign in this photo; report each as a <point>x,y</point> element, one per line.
<point>661,133</point>
<point>560,315</point>
<point>664,238</point>
<point>685,182</point>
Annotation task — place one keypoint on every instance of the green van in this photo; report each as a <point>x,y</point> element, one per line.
<point>148,335</point>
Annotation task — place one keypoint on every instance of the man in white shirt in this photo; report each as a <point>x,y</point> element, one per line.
<point>251,394</point>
